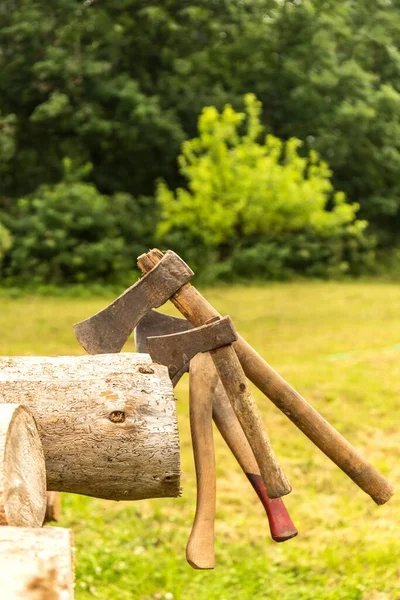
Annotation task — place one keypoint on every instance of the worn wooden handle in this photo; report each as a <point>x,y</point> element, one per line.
<point>238,391</point>
<point>200,547</point>
<point>198,311</point>
<point>280,524</point>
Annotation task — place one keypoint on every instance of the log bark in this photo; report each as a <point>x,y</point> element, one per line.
<point>36,564</point>
<point>22,469</point>
<point>107,422</point>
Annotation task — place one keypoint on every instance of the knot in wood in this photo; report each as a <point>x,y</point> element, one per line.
<point>117,416</point>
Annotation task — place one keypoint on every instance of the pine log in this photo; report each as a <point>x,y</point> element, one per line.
<point>22,469</point>
<point>107,422</point>
<point>36,564</point>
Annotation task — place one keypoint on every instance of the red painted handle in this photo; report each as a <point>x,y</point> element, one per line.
<point>280,523</point>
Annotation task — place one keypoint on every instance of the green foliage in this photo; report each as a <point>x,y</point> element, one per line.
<point>261,196</point>
<point>70,233</point>
<point>329,73</point>
<point>6,241</point>
<point>120,85</point>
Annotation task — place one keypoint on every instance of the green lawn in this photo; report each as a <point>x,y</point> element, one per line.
<point>339,345</point>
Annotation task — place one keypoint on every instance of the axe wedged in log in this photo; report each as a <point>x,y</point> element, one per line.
<point>194,346</point>
<point>111,327</point>
<point>155,323</point>
<point>198,311</point>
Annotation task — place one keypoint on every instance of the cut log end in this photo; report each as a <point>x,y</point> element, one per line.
<point>22,469</point>
<point>36,564</point>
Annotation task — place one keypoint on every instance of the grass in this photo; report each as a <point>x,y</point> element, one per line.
<point>339,345</point>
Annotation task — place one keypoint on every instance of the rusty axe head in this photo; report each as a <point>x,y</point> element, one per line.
<point>159,324</point>
<point>177,349</point>
<point>155,324</point>
<point>108,330</point>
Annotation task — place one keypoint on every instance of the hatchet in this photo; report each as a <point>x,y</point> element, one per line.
<point>127,310</point>
<point>203,372</point>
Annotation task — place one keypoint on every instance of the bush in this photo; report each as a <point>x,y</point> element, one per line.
<point>246,197</point>
<point>6,241</point>
<point>70,233</point>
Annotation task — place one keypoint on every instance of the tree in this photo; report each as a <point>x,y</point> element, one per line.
<point>245,188</point>
<point>119,85</point>
<point>328,73</point>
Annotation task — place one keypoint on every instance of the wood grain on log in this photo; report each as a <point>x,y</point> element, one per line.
<point>36,564</point>
<point>107,422</point>
<point>22,469</point>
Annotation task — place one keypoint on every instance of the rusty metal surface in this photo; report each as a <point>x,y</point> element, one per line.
<point>155,324</point>
<point>108,330</point>
<point>177,349</point>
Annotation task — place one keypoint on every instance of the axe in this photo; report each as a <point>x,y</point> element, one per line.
<point>204,375</point>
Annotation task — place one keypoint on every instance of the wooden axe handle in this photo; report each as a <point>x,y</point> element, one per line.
<point>198,311</point>
<point>200,547</point>
<point>243,403</point>
<point>280,523</point>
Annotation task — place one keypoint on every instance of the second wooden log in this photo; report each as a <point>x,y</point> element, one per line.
<point>22,469</point>
<point>36,564</point>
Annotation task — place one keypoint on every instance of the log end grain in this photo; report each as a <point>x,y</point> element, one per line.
<point>36,564</point>
<point>22,469</point>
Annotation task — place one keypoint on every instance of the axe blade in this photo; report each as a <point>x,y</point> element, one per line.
<point>177,349</point>
<point>159,324</point>
<point>107,331</point>
<point>155,324</point>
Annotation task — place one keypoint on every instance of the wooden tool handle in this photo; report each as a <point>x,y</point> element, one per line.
<point>280,523</point>
<point>200,547</point>
<point>198,311</point>
<point>238,391</point>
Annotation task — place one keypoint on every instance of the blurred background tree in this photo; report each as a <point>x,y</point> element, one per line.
<point>121,84</point>
<point>247,198</point>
